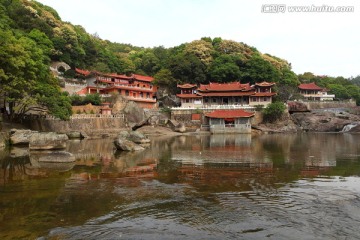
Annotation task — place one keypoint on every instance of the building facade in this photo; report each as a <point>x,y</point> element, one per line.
<point>310,91</point>
<point>135,87</point>
<point>230,121</point>
<point>234,93</point>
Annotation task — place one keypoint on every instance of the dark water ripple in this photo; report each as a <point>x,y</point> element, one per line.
<point>316,209</point>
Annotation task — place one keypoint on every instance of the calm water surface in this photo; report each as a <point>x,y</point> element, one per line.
<point>304,186</point>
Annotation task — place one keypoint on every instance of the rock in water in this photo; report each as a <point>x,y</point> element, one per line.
<point>20,136</point>
<point>74,135</point>
<point>51,160</point>
<point>180,128</point>
<point>138,137</point>
<point>126,145</point>
<point>46,141</point>
<point>52,156</point>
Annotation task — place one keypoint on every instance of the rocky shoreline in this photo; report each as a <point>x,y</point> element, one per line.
<point>315,121</point>
<point>324,120</point>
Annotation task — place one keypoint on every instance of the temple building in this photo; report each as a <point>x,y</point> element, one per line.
<point>230,121</point>
<point>311,91</point>
<point>234,93</point>
<point>135,87</point>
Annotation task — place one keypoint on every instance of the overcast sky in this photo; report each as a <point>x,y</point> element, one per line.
<point>320,42</point>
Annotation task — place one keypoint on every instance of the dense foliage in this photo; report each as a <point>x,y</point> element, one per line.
<point>273,111</point>
<point>32,35</point>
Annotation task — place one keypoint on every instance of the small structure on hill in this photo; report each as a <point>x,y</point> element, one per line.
<point>230,121</point>
<point>105,108</point>
<point>311,91</point>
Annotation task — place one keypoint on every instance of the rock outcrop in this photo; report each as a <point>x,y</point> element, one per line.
<point>138,137</point>
<point>76,135</point>
<point>52,156</point>
<point>20,136</point>
<point>128,141</point>
<point>323,121</point>
<point>126,145</point>
<point>134,114</point>
<point>46,141</point>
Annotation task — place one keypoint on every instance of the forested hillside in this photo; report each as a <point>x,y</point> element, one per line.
<point>32,35</point>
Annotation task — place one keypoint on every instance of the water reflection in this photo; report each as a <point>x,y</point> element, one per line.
<point>203,187</point>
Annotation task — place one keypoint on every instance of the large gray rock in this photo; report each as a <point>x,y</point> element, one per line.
<point>51,157</point>
<point>20,136</point>
<point>323,121</point>
<point>16,152</point>
<point>74,135</point>
<point>138,137</point>
<point>135,115</point>
<point>180,128</point>
<point>126,145</point>
<point>297,107</point>
<point>60,161</point>
<point>46,141</point>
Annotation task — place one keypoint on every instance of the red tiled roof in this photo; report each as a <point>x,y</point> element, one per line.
<point>226,94</point>
<point>120,76</point>
<point>264,94</point>
<point>265,84</point>
<point>188,96</point>
<point>143,78</point>
<point>238,113</point>
<point>82,72</point>
<point>310,86</point>
<point>186,85</point>
<point>233,86</point>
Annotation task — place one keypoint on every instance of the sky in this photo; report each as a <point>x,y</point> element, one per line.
<point>324,43</point>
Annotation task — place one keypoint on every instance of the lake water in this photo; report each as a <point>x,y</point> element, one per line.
<point>298,186</point>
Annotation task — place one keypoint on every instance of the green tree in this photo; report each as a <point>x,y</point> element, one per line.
<point>257,70</point>
<point>225,69</point>
<point>274,111</point>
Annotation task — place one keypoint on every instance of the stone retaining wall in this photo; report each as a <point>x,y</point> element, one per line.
<point>90,126</point>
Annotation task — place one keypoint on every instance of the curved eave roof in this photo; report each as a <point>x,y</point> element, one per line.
<point>238,113</point>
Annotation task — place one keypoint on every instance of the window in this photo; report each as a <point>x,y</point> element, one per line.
<point>254,99</point>
<point>127,93</point>
<point>206,100</point>
<point>265,99</point>
<point>187,100</point>
<point>214,100</point>
<point>147,95</point>
<point>141,95</point>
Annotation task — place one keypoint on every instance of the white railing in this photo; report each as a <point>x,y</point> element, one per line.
<point>82,116</point>
<point>214,107</point>
<point>87,116</point>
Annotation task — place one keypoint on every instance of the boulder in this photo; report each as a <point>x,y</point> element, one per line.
<point>51,157</point>
<point>180,128</point>
<point>135,115</point>
<point>60,161</point>
<point>322,121</point>
<point>297,107</point>
<point>20,136</point>
<point>126,145</point>
<point>45,141</point>
<point>138,137</point>
<point>16,152</point>
<point>74,135</point>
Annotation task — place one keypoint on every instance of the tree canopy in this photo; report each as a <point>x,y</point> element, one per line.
<point>32,35</point>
